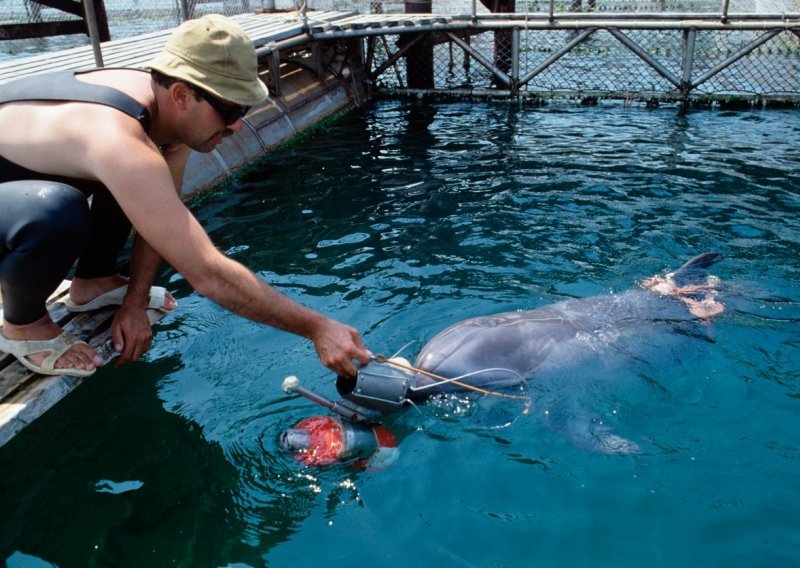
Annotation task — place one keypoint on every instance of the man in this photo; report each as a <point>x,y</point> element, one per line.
<point>123,136</point>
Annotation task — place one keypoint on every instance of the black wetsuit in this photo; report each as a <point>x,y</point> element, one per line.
<point>46,222</point>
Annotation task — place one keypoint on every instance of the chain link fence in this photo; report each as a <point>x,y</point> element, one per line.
<point>600,66</point>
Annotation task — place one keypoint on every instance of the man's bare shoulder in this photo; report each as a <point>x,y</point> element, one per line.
<point>133,82</point>
<point>57,138</point>
<point>60,137</point>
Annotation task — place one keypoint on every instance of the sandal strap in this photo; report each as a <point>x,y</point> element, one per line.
<point>57,348</point>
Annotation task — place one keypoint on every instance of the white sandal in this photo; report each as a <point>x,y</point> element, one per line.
<point>21,348</point>
<point>158,296</point>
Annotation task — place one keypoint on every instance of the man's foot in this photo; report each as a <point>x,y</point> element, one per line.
<point>79,356</point>
<point>84,290</point>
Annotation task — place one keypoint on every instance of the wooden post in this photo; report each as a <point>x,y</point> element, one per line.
<point>419,59</point>
<point>503,43</point>
<point>101,18</point>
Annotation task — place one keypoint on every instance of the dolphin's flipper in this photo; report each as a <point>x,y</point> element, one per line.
<point>589,432</point>
<point>598,437</point>
<point>694,271</point>
<point>605,441</point>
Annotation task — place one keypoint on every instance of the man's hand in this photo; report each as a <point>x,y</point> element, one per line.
<point>131,333</point>
<point>337,345</point>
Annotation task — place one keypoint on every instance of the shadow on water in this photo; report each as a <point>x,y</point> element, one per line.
<point>110,479</point>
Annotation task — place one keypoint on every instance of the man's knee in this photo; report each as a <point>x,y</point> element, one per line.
<point>43,215</point>
<point>43,227</point>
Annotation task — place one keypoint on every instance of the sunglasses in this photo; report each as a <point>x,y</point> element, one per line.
<point>230,113</point>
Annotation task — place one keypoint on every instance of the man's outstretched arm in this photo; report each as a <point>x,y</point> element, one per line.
<point>141,183</point>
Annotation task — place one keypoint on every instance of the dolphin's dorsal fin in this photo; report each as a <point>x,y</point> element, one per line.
<point>694,271</point>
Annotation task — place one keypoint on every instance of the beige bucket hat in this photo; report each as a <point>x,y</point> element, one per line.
<point>216,55</point>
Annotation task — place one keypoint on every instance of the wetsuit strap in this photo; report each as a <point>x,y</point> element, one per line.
<point>63,86</point>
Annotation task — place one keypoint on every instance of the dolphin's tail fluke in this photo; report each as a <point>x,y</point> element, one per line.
<point>694,271</point>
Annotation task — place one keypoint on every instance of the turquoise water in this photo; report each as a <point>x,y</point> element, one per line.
<point>401,219</point>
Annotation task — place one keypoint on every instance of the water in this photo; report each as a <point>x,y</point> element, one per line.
<point>401,219</point>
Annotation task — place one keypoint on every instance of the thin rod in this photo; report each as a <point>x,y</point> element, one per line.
<point>644,56</point>
<point>725,4</point>
<point>480,58</point>
<point>736,57</point>
<point>557,55</point>
<point>515,58</point>
<point>94,33</point>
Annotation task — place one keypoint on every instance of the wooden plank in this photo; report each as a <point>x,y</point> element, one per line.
<point>16,376</point>
<point>13,375</point>
<point>20,411</point>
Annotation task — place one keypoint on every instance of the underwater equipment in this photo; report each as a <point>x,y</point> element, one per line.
<point>381,387</point>
<point>323,440</point>
<point>355,433</point>
<point>377,389</point>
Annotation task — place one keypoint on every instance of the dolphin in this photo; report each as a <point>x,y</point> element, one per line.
<point>565,350</point>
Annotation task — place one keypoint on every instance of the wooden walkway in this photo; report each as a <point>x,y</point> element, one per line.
<point>263,29</point>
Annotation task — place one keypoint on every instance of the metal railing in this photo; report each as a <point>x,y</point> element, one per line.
<point>676,57</point>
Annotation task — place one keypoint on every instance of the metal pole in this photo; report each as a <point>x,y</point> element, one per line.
<point>302,11</point>
<point>185,11</point>
<point>557,55</point>
<point>645,56</point>
<point>474,9</point>
<point>562,25</point>
<point>689,38</point>
<point>550,10</point>
<point>275,71</point>
<point>736,56</point>
<point>514,58</point>
<point>725,4</point>
<point>94,34</point>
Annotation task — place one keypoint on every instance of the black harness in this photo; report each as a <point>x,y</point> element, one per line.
<point>63,86</point>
